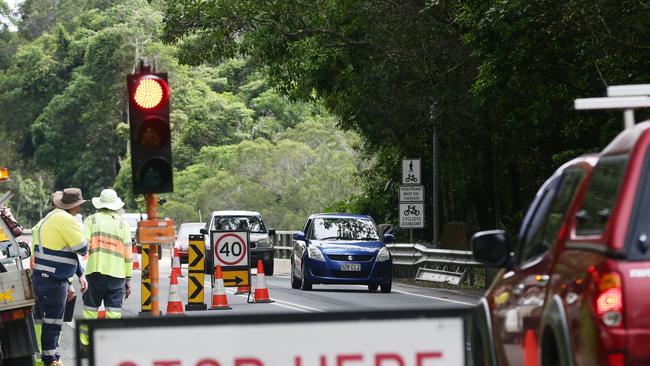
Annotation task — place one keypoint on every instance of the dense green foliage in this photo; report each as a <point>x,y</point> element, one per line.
<point>237,143</point>
<point>494,79</point>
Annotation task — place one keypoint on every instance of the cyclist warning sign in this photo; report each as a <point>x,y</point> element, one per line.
<point>411,215</point>
<point>230,248</point>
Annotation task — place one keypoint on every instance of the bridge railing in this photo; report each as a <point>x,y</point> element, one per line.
<point>436,265</point>
<point>414,261</point>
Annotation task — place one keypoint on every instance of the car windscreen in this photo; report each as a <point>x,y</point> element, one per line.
<point>252,223</point>
<point>344,229</point>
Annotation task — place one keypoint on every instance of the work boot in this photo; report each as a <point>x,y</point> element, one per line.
<point>56,363</point>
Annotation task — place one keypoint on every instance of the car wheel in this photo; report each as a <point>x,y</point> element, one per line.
<point>305,285</point>
<point>268,267</point>
<point>373,288</point>
<point>295,283</point>
<point>386,287</point>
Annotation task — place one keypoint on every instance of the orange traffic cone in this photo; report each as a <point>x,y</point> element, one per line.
<point>261,291</point>
<point>243,290</point>
<point>530,349</point>
<point>174,304</point>
<point>219,298</point>
<point>176,264</point>
<point>136,257</point>
<point>101,314</point>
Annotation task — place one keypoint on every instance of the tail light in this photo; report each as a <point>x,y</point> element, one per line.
<point>608,297</point>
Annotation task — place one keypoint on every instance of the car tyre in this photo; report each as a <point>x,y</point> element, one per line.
<point>305,285</point>
<point>386,287</point>
<point>268,267</point>
<point>295,283</point>
<point>373,288</point>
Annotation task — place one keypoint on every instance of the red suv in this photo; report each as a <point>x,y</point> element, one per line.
<point>576,291</point>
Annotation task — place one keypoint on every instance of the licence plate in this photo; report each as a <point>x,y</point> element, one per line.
<point>350,267</point>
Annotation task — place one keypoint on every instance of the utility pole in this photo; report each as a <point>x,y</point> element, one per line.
<point>434,173</point>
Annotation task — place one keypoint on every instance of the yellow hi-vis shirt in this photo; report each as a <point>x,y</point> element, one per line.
<point>57,241</point>
<point>109,245</point>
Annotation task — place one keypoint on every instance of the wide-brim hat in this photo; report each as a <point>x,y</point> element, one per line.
<point>68,198</point>
<point>108,199</point>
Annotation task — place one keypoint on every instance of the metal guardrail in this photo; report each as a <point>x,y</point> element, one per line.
<point>436,265</point>
<point>411,260</point>
<point>283,244</point>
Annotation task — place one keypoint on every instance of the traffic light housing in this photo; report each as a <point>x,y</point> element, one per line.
<point>150,136</point>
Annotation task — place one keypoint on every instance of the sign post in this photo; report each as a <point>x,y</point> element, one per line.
<point>230,251</point>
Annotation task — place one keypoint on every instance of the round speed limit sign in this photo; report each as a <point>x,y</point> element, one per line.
<point>231,248</point>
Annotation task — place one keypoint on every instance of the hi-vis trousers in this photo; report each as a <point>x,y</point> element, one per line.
<point>101,288</point>
<point>50,296</point>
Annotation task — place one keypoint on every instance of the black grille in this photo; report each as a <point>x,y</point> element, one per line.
<point>343,257</point>
<point>350,274</point>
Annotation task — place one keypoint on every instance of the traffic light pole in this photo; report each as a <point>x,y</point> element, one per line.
<point>151,200</point>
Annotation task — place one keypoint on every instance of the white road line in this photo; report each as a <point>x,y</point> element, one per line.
<point>276,303</point>
<point>435,298</point>
<point>307,308</point>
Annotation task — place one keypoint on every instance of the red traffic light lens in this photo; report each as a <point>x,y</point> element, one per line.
<point>150,92</point>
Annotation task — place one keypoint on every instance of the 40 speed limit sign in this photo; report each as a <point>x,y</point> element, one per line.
<point>230,251</point>
<point>230,248</point>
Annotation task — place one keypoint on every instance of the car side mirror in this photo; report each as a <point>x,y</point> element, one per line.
<point>491,248</point>
<point>204,231</point>
<point>389,238</point>
<point>299,236</point>
<point>271,232</point>
<point>25,250</point>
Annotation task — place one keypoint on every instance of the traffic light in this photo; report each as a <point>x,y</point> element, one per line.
<point>150,137</point>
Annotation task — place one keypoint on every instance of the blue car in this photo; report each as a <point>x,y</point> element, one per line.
<point>341,249</point>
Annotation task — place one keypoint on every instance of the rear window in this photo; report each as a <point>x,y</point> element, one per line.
<point>601,194</point>
<point>186,230</point>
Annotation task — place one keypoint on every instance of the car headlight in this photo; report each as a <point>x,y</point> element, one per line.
<point>383,255</point>
<point>315,253</point>
<point>264,243</point>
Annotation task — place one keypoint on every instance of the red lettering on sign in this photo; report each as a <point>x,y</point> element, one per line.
<point>391,358</point>
<point>208,362</point>
<point>420,357</point>
<point>248,362</point>
<point>341,359</point>
<point>167,363</point>
<point>297,361</point>
<point>127,363</point>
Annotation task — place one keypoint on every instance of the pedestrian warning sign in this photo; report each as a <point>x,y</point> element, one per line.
<point>411,173</point>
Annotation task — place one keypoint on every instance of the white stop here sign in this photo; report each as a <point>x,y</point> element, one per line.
<point>230,248</point>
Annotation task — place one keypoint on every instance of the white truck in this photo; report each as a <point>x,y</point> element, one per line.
<point>18,343</point>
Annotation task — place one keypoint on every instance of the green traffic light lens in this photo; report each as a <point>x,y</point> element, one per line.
<point>155,174</point>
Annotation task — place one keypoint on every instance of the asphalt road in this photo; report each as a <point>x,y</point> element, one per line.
<point>323,298</point>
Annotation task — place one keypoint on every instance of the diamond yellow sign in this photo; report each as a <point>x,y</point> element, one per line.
<point>233,277</point>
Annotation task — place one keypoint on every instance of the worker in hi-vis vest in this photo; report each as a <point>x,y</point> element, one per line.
<point>110,261</point>
<point>57,242</point>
